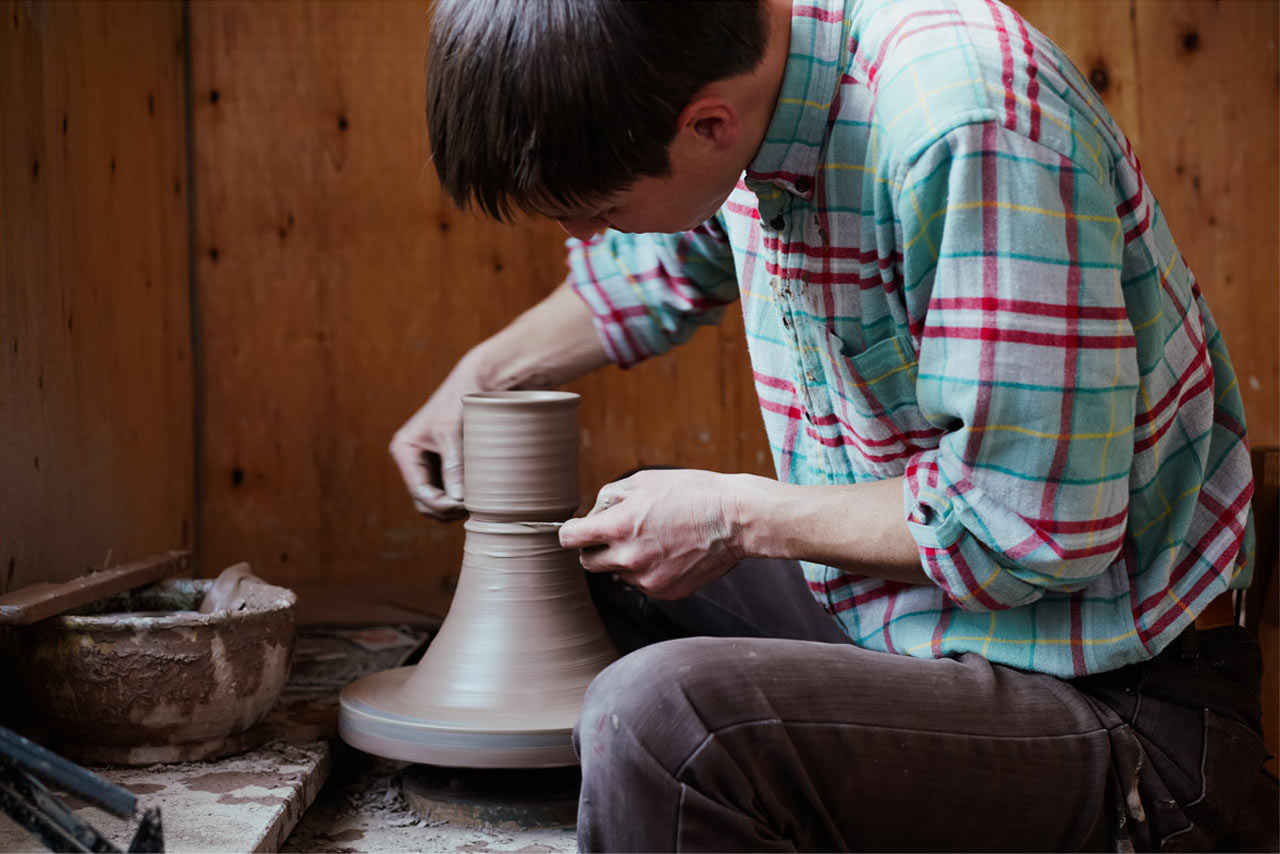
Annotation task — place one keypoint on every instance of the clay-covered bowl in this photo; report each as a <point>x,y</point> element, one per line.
<point>144,677</point>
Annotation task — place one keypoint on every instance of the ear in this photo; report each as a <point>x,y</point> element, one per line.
<point>709,121</point>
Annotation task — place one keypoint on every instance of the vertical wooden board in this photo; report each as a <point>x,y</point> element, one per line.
<point>338,286</point>
<point>95,376</point>
<point>1209,87</point>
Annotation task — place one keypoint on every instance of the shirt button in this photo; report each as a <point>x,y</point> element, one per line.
<point>804,184</point>
<point>777,223</point>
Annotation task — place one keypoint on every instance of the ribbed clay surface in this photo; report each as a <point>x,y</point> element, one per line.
<point>520,455</point>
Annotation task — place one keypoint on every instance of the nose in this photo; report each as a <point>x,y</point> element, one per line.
<point>583,229</point>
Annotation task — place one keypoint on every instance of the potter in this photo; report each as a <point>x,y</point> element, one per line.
<point>1012,474</point>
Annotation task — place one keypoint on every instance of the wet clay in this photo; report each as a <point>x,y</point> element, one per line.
<point>230,589</point>
<point>502,683</point>
<point>520,455</point>
<point>140,682</point>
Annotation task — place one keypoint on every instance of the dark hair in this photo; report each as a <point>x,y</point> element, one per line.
<point>564,102</point>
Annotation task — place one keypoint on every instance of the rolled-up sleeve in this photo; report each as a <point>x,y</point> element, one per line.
<point>648,292</point>
<point>1012,258</point>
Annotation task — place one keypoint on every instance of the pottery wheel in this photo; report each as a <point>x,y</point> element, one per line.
<point>503,681</point>
<point>376,717</point>
<point>542,797</point>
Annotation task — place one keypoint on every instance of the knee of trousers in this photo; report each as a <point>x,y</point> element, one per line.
<point>640,713</point>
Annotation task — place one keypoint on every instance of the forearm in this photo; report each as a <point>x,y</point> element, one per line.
<point>552,343</point>
<point>860,528</point>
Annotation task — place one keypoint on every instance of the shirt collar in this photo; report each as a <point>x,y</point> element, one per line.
<point>789,156</point>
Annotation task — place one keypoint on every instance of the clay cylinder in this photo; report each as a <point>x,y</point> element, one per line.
<point>520,455</point>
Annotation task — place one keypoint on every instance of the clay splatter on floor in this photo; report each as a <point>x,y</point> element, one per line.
<point>361,811</point>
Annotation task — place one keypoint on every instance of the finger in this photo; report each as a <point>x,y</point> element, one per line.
<point>408,459</point>
<point>451,466</point>
<point>617,559</point>
<point>433,501</point>
<point>597,529</point>
<point>416,470</point>
<point>611,494</point>
<point>435,514</point>
<point>596,559</point>
<point>637,579</point>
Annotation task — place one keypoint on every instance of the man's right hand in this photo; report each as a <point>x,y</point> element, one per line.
<point>428,448</point>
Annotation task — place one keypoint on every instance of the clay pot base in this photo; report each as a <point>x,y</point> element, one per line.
<point>195,751</point>
<point>374,717</point>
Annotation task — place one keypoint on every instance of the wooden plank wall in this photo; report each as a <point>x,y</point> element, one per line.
<point>95,371</point>
<point>337,286</point>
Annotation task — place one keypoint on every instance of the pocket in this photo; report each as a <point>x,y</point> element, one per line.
<point>1229,763</point>
<point>873,395</point>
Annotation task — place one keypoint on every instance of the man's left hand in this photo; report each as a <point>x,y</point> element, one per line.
<point>665,532</point>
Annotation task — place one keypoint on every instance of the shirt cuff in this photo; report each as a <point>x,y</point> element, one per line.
<point>951,556</point>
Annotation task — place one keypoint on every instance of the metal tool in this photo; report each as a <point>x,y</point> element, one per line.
<point>30,803</point>
<point>555,525</point>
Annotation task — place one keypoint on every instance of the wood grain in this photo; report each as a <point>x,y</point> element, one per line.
<point>95,371</point>
<point>337,287</point>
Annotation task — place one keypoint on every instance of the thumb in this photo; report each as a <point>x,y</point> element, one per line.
<point>586,531</point>
<point>451,466</point>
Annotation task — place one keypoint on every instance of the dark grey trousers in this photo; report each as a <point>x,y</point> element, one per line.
<point>777,734</point>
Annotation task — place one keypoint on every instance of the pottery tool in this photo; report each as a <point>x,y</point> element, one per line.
<point>35,602</point>
<point>29,803</point>
<point>501,684</point>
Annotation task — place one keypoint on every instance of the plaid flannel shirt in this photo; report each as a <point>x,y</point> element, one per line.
<point>951,269</point>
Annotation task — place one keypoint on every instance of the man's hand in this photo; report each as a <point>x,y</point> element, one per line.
<point>428,448</point>
<point>549,344</point>
<point>665,532</point>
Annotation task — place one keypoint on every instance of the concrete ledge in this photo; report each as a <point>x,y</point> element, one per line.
<point>249,802</point>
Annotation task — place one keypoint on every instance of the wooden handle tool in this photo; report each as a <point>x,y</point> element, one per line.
<point>40,601</point>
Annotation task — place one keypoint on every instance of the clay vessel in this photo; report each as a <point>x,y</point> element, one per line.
<point>145,677</point>
<point>520,455</point>
<point>502,683</point>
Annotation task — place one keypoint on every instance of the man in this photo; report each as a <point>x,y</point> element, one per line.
<point>1010,449</point>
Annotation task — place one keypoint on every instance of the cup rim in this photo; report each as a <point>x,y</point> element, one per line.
<point>520,397</point>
